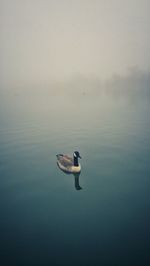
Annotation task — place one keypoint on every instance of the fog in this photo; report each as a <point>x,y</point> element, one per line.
<point>45,42</point>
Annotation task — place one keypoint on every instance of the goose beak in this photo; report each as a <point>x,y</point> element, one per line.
<point>80,156</point>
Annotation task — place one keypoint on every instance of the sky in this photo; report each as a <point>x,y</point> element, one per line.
<point>45,40</point>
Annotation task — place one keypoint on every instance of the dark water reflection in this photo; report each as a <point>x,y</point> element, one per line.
<point>44,219</point>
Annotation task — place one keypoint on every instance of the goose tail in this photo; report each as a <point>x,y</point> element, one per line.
<point>58,155</point>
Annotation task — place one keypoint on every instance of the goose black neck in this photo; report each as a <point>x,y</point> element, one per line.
<point>76,161</point>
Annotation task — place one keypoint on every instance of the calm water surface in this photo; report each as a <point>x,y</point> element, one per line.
<point>98,218</point>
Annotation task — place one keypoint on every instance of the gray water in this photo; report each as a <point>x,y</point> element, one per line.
<point>98,218</point>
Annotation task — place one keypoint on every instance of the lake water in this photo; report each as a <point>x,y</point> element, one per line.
<point>101,217</point>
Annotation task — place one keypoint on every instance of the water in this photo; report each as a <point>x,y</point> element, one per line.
<point>50,218</point>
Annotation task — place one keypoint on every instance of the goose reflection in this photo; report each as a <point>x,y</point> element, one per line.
<point>76,181</point>
<point>76,178</point>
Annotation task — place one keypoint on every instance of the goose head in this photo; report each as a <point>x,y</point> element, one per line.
<point>76,155</point>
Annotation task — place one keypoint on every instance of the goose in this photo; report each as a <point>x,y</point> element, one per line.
<point>69,164</point>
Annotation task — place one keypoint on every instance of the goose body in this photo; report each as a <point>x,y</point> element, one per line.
<point>69,164</point>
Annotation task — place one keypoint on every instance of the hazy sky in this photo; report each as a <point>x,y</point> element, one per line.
<point>56,39</point>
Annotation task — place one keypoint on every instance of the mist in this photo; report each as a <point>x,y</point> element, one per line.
<point>46,42</point>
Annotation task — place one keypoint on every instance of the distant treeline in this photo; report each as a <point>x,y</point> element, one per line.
<point>134,82</point>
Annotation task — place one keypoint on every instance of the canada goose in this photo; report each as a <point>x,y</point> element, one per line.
<point>69,164</point>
